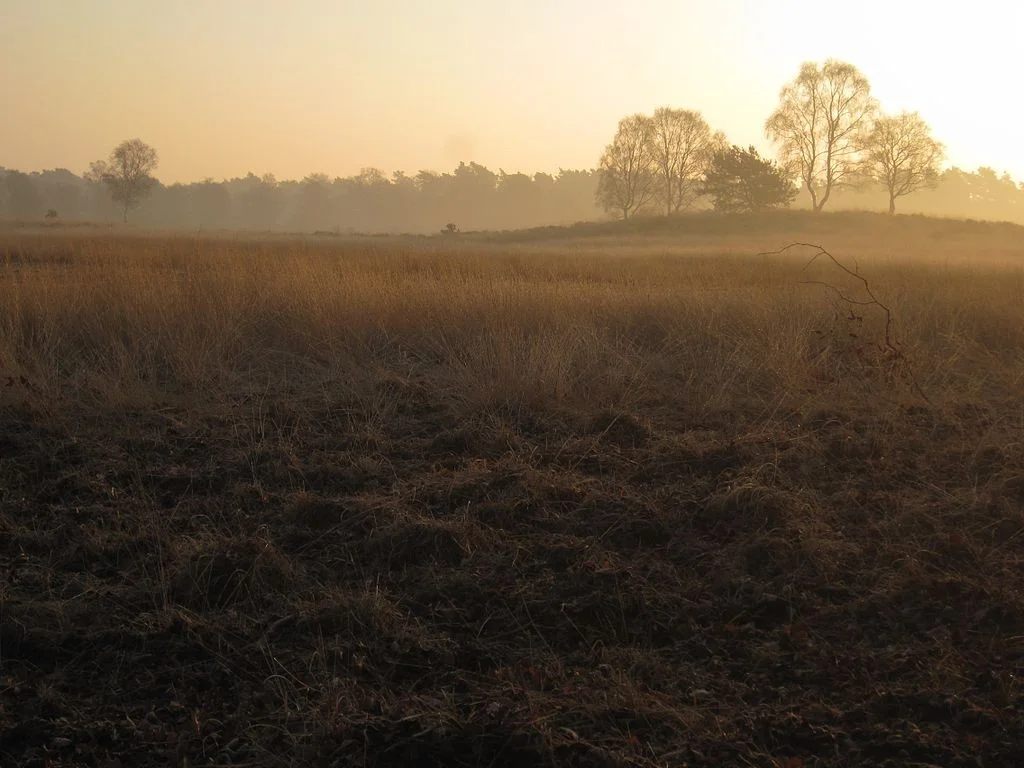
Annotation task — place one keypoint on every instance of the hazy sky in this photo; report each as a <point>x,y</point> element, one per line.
<point>222,87</point>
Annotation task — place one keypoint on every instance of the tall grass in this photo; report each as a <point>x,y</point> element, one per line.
<point>684,324</point>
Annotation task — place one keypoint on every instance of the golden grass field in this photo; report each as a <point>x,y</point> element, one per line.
<point>588,498</point>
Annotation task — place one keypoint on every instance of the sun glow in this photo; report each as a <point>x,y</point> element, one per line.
<point>324,86</point>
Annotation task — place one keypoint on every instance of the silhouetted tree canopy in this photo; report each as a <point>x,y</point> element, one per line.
<point>820,126</point>
<point>902,155</point>
<point>740,180</point>
<point>683,148</point>
<point>127,173</point>
<point>656,162</point>
<point>23,198</point>
<point>627,180</point>
<point>426,202</point>
<point>826,129</point>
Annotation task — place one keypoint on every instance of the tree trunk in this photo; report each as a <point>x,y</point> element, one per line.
<point>824,198</point>
<point>124,216</point>
<point>892,204</point>
<point>814,198</point>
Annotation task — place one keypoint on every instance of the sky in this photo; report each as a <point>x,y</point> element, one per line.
<point>224,87</point>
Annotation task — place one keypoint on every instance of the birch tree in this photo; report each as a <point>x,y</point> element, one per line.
<point>902,155</point>
<point>683,147</point>
<point>821,124</point>
<point>127,174</point>
<point>628,175</point>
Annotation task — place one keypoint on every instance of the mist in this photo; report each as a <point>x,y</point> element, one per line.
<point>471,196</point>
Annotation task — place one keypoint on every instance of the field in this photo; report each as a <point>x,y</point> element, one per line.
<point>566,498</point>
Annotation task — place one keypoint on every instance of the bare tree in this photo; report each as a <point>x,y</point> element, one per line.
<point>902,155</point>
<point>683,147</point>
<point>821,124</point>
<point>127,173</point>
<point>627,172</point>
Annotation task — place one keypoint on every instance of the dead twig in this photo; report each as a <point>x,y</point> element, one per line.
<point>890,347</point>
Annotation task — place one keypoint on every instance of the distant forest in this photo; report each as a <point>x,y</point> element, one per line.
<point>471,197</point>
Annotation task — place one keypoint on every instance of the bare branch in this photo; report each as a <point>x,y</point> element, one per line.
<point>819,126</point>
<point>891,348</point>
<point>128,173</point>
<point>902,155</point>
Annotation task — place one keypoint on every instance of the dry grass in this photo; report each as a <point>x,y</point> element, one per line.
<point>489,325</point>
<point>597,501</point>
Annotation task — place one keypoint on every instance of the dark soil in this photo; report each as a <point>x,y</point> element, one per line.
<point>202,586</point>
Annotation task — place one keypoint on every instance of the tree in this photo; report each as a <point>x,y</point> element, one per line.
<point>682,146</point>
<point>820,126</point>
<point>127,174</point>
<point>740,180</point>
<point>902,155</point>
<point>210,204</point>
<point>313,209</point>
<point>568,198</point>
<point>472,194</point>
<point>517,200</point>
<point>628,174</point>
<point>23,195</point>
<point>65,198</point>
<point>366,198</point>
<point>259,202</point>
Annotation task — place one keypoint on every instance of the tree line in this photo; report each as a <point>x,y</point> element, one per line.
<point>833,147</point>
<point>371,202</point>
<point>471,196</point>
<point>829,134</point>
